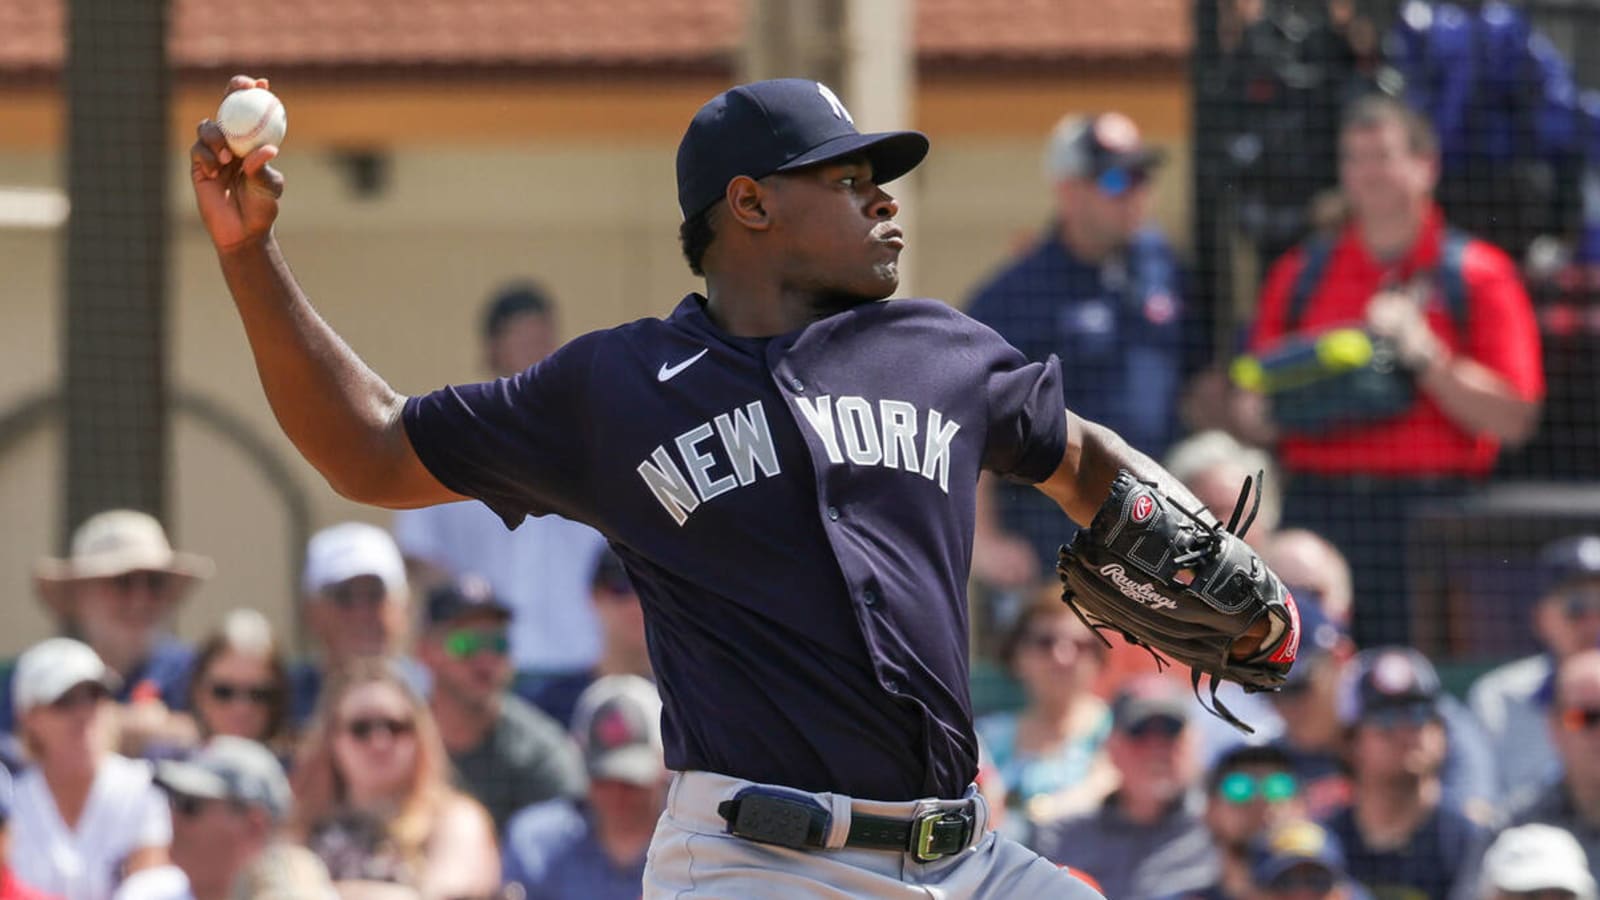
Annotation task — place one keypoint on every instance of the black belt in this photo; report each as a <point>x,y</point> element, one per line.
<point>802,824</point>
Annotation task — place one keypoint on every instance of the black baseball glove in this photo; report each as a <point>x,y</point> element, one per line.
<point>1167,580</point>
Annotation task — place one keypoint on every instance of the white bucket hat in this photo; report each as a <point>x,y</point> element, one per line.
<point>120,541</point>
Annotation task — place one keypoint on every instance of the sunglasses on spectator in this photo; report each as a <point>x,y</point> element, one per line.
<point>1388,718</point>
<point>1313,881</point>
<point>87,694</point>
<point>186,806</point>
<point>228,692</point>
<point>1242,787</point>
<point>1577,718</point>
<point>364,729</point>
<point>1160,726</point>
<point>1047,642</point>
<point>467,643</point>
<point>1119,180</point>
<point>347,597</point>
<point>152,581</point>
<point>1577,603</point>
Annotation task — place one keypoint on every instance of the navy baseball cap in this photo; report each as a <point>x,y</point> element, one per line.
<point>1575,558</point>
<point>467,594</point>
<point>1098,146</point>
<point>1388,678</point>
<point>764,127</point>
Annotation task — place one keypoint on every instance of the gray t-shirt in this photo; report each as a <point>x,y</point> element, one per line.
<point>1131,861</point>
<point>526,758</point>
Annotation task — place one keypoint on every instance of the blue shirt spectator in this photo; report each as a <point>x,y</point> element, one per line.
<point>553,852</point>
<point>595,848</point>
<point>1100,289</point>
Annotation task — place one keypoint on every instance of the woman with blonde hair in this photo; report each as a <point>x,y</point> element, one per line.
<point>373,795</point>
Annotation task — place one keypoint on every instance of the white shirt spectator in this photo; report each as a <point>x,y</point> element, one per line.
<point>1512,703</point>
<point>125,811</point>
<point>542,571</point>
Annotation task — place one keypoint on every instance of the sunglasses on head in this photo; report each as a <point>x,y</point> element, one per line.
<point>228,692</point>
<point>1577,718</point>
<point>467,643</point>
<point>1242,787</point>
<point>152,581</point>
<point>1119,180</point>
<point>1158,726</point>
<point>87,694</point>
<point>363,729</point>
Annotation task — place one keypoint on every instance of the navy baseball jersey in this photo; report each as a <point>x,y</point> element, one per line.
<point>795,511</point>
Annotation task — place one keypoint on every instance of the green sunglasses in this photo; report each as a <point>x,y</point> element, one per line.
<point>467,643</point>
<point>1242,787</point>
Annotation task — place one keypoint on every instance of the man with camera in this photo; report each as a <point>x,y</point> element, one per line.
<point>1390,361</point>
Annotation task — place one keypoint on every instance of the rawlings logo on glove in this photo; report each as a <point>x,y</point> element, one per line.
<point>1165,579</point>
<point>1137,590</point>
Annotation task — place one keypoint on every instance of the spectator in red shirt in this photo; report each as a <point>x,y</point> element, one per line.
<point>1475,361</point>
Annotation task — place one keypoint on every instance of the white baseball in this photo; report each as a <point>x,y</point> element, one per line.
<point>251,118</point>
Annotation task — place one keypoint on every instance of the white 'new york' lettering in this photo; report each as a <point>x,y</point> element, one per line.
<point>891,442</point>
<point>747,446</point>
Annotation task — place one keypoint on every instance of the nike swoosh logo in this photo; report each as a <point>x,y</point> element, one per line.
<point>667,372</point>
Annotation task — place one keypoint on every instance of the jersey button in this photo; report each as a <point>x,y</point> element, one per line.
<point>833,513</point>
<point>869,597</point>
<point>798,385</point>
<point>892,686</point>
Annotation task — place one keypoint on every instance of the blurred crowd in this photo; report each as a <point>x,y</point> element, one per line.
<point>474,715</point>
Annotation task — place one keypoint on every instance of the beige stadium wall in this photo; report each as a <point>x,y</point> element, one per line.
<point>569,197</point>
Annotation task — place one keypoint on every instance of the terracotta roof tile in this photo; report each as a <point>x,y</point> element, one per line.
<point>636,33</point>
<point>1038,30</point>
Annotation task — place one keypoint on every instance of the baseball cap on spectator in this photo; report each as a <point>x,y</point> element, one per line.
<point>1295,846</point>
<point>1388,679</point>
<point>766,127</point>
<point>230,768</point>
<point>51,668</point>
<point>1147,701</point>
<point>1105,147</point>
<point>1569,559</point>
<point>119,541</point>
<point>467,594</point>
<point>617,723</point>
<point>1537,857</point>
<point>610,574</point>
<point>350,550</point>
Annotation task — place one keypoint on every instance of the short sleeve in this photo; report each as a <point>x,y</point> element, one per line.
<point>1504,334</point>
<point>1027,416</point>
<point>518,443</point>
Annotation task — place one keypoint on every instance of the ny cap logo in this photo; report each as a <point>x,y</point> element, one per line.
<point>833,103</point>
